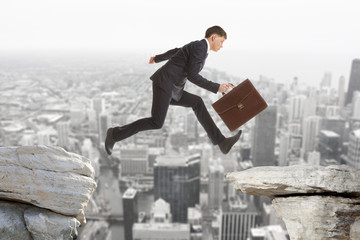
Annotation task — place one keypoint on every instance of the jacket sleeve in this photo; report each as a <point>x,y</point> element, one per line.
<point>166,55</point>
<point>196,60</point>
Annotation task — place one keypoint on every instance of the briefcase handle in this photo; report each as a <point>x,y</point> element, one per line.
<point>230,89</point>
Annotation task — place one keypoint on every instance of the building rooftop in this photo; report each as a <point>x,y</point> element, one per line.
<point>129,193</point>
<point>176,161</point>
<point>329,133</point>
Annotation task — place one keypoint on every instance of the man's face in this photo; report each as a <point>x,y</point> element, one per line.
<point>217,42</point>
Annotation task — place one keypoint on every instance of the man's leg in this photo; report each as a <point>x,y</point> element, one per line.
<point>202,114</point>
<point>160,105</point>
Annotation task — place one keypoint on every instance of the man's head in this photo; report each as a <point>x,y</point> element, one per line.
<point>216,37</point>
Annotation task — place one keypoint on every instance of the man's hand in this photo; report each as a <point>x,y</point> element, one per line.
<point>152,60</point>
<point>224,87</point>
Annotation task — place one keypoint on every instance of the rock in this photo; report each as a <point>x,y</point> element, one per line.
<point>48,177</point>
<point>23,221</point>
<point>318,217</point>
<point>12,224</point>
<point>315,202</point>
<point>297,179</point>
<point>44,224</point>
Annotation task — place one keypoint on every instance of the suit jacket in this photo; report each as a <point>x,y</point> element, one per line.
<point>184,63</point>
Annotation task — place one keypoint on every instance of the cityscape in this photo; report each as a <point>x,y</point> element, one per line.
<point>171,183</point>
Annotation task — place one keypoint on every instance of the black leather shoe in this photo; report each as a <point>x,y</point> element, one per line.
<point>109,141</point>
<point>227,143</point>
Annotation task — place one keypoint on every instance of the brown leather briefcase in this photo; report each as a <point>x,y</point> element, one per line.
<point>239,105</point>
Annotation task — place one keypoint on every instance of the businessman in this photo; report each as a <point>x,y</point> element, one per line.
<point>183,64</point>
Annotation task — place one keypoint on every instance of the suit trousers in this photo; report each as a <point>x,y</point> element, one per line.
<point>160,105</point>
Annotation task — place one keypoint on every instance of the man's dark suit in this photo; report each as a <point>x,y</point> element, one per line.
<point>168,88</point>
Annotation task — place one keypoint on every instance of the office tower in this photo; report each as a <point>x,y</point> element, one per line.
<point>134,160</point>
<point>98,105</point>
<point>177,181</point>
<point>332,111</point>
<point>354,80</point>
<point>63,134</point>
<point>216,185</point>
<point>353,156</point>
<point>160,212</point>
<point>103,126</point>
<point>328,145</point>
<point>356,105</point>
<point>206,155</point>
<point>284,148</point>
<point>310,104</point>
<point>335,124</point>
<point>310,132</point>
<point>43,138</point>
<point>160,226</point>
<point>313,158</point>
<point>130,210</point>
<point>341,92</point>
<point>263,145</point>
<point>326,80</point>
<point>238,217</point>
<point>93,126</point>
<point>296,108</point>
<point>294,129</point>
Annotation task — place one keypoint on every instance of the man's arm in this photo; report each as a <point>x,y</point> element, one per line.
<point>164,56</point>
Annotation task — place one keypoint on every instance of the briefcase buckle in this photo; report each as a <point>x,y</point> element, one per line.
<point>240,106</point>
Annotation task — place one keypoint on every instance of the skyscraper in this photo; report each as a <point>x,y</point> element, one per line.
<point>296,108</point>
<point>353,157</point>
<point>216,185</point>
<point>354,81</point>
<point>356,105</point>
<point>63,133</point>
<point>177,181</point>
<point>310,131</point>
<point>341,92</point>
<point>328,145</point>
<point>130,210</point>
<point>238,217</point>
<point>103,126</point>
<point>263,145</point>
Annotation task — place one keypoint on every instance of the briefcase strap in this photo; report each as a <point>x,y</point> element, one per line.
<point>238,105</point>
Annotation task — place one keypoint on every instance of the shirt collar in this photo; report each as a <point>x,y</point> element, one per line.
<point>208,45</point>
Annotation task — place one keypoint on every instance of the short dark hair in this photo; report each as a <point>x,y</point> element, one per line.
<point>215,30</point>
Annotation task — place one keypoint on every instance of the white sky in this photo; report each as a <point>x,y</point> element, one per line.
<point>261,31</point>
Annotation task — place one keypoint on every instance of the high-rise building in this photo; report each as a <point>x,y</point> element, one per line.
<point>103,126</point>
<point>284,148</point>
<point>177,181</point>
<point>354,81</point>
<point>63,133</point>
<point>238,217</point>
<point>326,81</point>
<point>296,108</point>
<point>328,145</point>
<point>310,132</point>
<point>216,184</point>
<point>134,159</point>
<point>335,124</point>
<point>341,92</point>
<point>160,226</point>
<point>263,145</point>
<point>130,210</point>
<point>356,105</point>
<point>353,157</point>
<point>43,138</point>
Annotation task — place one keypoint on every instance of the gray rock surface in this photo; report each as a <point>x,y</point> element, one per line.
<point>24,221</point>
<point>315,202</point>
<point>297,179</point>
<point>319,217</point>
<point>48,177</point>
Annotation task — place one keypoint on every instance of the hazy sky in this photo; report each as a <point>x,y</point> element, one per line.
<point>277,38</point>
